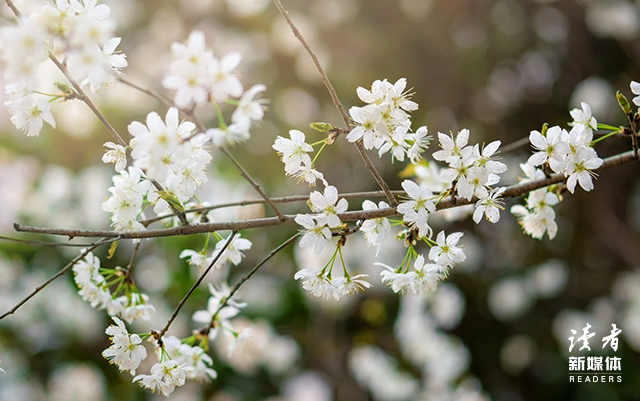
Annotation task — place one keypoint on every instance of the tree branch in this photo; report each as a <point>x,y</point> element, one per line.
<point>65,269</point>
<point>511,192</point>
<point>282,199</point>
<point>336,101</point>
<point>245,278</point>
<point>193,288</point>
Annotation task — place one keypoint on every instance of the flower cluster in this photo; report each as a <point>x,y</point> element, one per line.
<point>424,278</point>
<point>125,203</point>
<point>297,163</point>
<point>317,226</point>
<point>94,288</point>
<point>473,169</point>
<point>192,357</point>
<point>232,254</point>
<point>320,283</point>
<point>198,77</point>
<point>172,153</point>
<point>538,216</point>
<point>375,230</point>
<point>568,153</point>
<point>165,377</point>
<point>220,321</point>
<point>81,33</point>
<point>384,123</point>
<point>126,349</point>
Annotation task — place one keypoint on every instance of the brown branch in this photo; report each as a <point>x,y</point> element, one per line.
<point>158,336</point>
<point>14,8</point>
<point>253,183</point>
<point>336,101</point>
<point>282,199</point>
<point>245,278</point>
<point>511,192</point>
<point>45,243</point>
<point>128,275</point>
<point>60,273</point>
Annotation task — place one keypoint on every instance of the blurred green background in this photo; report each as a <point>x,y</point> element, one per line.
<point>496,330</point>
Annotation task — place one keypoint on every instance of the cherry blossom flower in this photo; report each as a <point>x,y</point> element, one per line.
<point>293,152</point>
<point>329,205</point>
<point>375,230</point>
<point>249,108</point>
<point>416,210</point>
<point>30,113</point>
<point>368,125</point>
<point>446,253</point>
<point>316,282</point>
<point>126,350</point>
<point>316,232</point>
<point>165,377</point>
<point>550,147</point>
<point>579,170</point>
<point>583,119</point>
<point>489,206</point>
<point>635,89</point>
<point>349,285</point>
<point>453,150</point>
<point>117,155</point>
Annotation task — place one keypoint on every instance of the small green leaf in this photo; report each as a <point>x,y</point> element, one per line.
<point>172,200</point>
<point>64,88</point>
<point>321,127</point>
<point>112,249</point>
<point>624,103</point>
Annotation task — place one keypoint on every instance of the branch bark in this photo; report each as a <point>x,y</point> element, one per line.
<point>60,273</point>
<point>511,192</point>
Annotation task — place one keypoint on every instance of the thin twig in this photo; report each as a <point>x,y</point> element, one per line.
<point>45,243</point>
<point>195,285</point>
<point>85,98</point>
<point>253,183</point>
<point>511,192</point>
<point>245,278</point>
<point>14,8</point>
<point>336,101</point>
<point>282,199</point>
<point>515,145</point>
<point>130,266</point>
<point>60,273</point>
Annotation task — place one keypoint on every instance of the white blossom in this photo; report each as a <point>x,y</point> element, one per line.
<point>316,232</point>
<point>417,209</point>
<point>489,206</point>
<point>328,204</point>
<point>126,350</point>
<point>165,377</point>
<point>446,253</point>
<point>117,155</point>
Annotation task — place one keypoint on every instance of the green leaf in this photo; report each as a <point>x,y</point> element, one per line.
<point>545,128</point>
<point>171,199</point>
<point>321,127</point>
<point>112,249</point>
<point>624,103</point>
